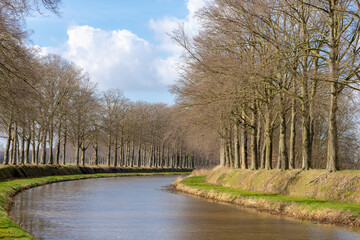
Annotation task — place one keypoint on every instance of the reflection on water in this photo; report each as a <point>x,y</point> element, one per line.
<point>137,208</point>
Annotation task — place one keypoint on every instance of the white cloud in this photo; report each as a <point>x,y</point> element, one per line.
<point>121,59</point>
<point>113,59</point>
<point>165,26</point>
<point>43,51</point>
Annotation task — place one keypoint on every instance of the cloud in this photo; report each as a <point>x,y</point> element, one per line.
<point>43,51</point>
<point>165,26</point>
<point>113,59</point>
<point>162,27</point>
<point>121,59</point>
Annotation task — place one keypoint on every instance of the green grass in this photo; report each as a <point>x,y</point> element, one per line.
<point>313,204</point>
<point>10,230</point>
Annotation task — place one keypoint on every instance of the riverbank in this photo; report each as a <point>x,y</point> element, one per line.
<point>22,171</point>
<point>9,187</point>
<point>307,195</point>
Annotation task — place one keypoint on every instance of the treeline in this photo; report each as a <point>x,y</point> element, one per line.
<point>277,80</point>
<point>51,113</point>
<point>72,116</point>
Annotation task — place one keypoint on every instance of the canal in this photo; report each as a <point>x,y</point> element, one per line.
<point>144,208</point>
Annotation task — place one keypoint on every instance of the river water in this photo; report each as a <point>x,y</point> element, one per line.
<point>142,208</point>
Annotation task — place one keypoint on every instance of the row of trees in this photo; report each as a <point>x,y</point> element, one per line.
<point>51,113</point>
<point>62,112</point>
<point>69,117</point>
<point>277,81</point>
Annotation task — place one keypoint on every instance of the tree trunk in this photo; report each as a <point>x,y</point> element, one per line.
<point>15,145</point>
<point>173,158</point>
<point>222,151</point>
<point>12,150</point>
<point>96,148</point>
<point>22,150</point>
<point>109,151</point>
<point>278,164</point>
<point>263,155</point>
<point>268,152</point>
<point>17,150</point>
<point>77,151</point>
<point>51,144</point>
<point>33,153</point>
<point>83,151</point>
<point>140,164</point>
<point>268,141</point>
<point>236,147</point>
<point>258,138</point>
<point>64,147</point>
<point>8,141</point>
<point>37,151</point>
<point>58,144</point>
<point>132,154</point>
<point>227,158</point>
<point>43,148</point>
<point>253,149</point>
<point>314,86</point>
<point>116,152</point>
<point>122,154</point>
<point>282,143</point>
<point>292,136</point>
<point>128,156</point>
<point>332,153</point>
<point>146,162</point>
<point>306,158</point>
<point>229,155</point>
<point>123,150</point>
<point>126,163</point>
<point>178,159</point>
<point>27,149</point>
<point>253,139</point>
<point>244,154</point>
<point>57,154</point>
<point>163,163</point>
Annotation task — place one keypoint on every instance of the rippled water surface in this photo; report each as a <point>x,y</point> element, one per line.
<point>140,208</point>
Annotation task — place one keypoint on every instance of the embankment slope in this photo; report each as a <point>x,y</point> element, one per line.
<point>336,186</point>
<point>312,195</point>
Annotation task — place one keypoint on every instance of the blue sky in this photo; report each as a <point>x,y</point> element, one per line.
<point>121,44</point>
<point>106,14</point>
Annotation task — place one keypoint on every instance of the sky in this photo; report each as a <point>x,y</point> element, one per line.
<point>121,44</point>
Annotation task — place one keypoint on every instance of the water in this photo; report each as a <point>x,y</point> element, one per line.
<point>140,208</point>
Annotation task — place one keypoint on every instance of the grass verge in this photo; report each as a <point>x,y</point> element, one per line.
<point>8,188</point>
<point>319,210</point>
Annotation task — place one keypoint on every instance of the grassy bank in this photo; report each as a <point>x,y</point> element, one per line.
<point>8,188</point>
<point>22,171</point>
<point>324,210</point>
<point>341,186</point>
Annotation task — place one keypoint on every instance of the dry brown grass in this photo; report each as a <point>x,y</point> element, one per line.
<point>339,186</point>
<point>201,172</point>
<point>332,216</point>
